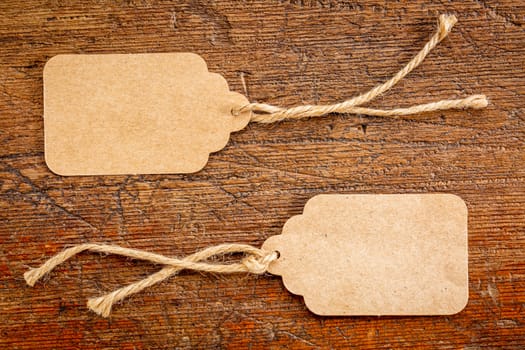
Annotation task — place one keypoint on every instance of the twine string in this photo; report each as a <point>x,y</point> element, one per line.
<point>266,113</point>
<point>256,261</point>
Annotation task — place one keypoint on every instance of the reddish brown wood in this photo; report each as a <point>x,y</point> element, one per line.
<point>289,52</point>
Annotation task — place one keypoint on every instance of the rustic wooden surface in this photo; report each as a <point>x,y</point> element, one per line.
<point>289,52</point>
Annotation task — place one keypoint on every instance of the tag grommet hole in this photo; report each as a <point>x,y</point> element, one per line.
<point>235,111</point>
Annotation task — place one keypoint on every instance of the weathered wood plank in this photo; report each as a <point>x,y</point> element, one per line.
<point>289,52</point>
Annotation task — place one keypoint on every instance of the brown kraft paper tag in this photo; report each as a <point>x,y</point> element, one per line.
<point>135,114</point>
<point>399,254</point>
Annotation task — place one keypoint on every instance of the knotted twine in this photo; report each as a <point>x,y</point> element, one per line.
<point>257,260</point>
<point>265,113</point>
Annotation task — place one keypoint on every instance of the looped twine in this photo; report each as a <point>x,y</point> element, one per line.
<point>259,265</point>
<point>266,113</point>
<point>256,261</point>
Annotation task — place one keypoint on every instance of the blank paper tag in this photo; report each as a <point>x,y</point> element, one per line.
<point>403,254</point>
<point>135,114</point>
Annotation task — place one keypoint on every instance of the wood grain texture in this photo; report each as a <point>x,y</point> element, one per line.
<point>289,52</point>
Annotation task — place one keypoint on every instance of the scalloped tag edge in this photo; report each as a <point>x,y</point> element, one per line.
<point>369,254</point>
<point>111,114</point>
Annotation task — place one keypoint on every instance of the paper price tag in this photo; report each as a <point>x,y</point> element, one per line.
<point>131,114</point>
<point>402,254</point>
